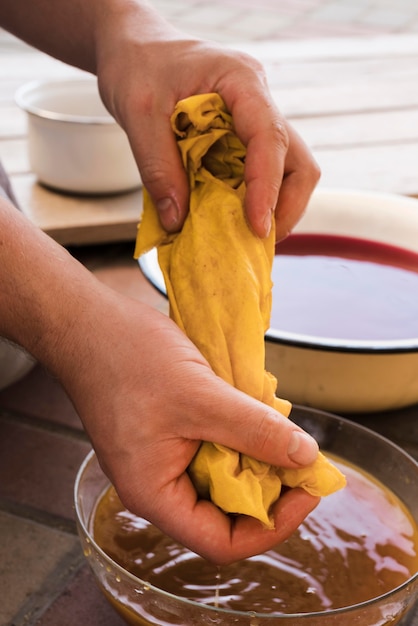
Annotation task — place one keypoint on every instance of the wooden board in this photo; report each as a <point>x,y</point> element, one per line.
<point>354,101</point>
<point>72,219</point>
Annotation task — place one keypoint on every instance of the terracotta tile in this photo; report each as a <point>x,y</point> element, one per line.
<point>30,555</point>
<point>40,395</point>
<point>38,468</point>
<point>82,603</point>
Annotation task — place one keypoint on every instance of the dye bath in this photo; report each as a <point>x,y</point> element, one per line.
<point>344,288</point>
<point>358,544</point>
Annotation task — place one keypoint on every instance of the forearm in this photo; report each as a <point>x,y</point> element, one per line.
<point>43,290</point>
<point>73,31</point>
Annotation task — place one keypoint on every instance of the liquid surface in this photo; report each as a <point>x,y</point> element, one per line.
<point>344,288</point>
<point>358,544</point>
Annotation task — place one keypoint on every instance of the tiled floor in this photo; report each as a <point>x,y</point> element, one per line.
<point>43,578</point>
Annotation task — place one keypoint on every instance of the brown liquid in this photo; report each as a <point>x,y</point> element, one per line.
<point>358,544</point>
<point>345,288</point>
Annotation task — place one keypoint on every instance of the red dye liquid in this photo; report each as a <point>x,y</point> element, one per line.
<point>345,288</point>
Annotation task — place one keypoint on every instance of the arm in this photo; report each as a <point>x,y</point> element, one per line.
<point>144,67</point>
<point>145,409</point>
<point>100,345</point>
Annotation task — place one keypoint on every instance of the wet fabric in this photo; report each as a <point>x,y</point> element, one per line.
<point>218,280</point>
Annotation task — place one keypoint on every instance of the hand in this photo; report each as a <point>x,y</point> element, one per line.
<point>145,395</point>
<point>147,398</point>
<point>144,67</point>
<point>141,79</point>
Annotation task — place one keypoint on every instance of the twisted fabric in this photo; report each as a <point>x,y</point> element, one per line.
<point>218,280</point>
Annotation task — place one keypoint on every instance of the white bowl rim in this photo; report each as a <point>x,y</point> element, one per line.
<point>312,342</point>
<point>27,88</point>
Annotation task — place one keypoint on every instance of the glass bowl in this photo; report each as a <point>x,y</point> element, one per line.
<point>140,603</point>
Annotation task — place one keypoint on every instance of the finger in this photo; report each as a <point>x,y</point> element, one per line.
<point>220,538</point>
<point>155,149</point>
<point>262,129</point>
<point>264,171</point>
<point>249,537</point>
<point>225,415</point>
<point>300,178</point>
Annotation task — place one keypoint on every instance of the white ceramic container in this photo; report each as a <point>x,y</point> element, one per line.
<point>74,144</point>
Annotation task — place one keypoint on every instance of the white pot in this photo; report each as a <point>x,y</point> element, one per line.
<point>74,144</point>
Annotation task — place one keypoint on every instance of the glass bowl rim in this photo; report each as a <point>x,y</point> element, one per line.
<point>138,582</point>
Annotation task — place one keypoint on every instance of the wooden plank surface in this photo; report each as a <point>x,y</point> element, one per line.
<point>355,102</point>
<point>72,219</point>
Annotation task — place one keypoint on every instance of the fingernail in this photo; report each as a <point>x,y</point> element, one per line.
<point>168,212</point>
<point>302,448</point>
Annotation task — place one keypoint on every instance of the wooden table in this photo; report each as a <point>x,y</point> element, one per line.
<point>355,102</point>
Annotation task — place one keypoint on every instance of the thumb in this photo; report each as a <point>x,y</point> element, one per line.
<point>162,171</point>
<point>234,419</point>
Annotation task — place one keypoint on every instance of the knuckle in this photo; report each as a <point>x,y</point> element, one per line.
<point>280,134</point>
<point>154,170</point>
<point>245,70</point>
<point>243,60</point>
<point>253,65</point>
<point>261,439</point>
<point>310,173</point>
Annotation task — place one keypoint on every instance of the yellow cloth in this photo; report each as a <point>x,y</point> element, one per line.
<point>218,279</point>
